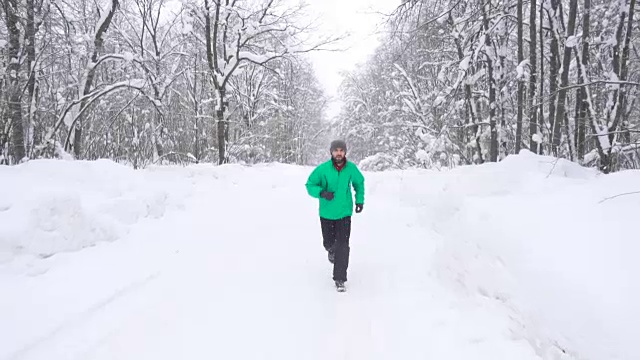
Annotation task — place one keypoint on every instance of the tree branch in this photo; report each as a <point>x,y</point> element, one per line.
<point>615,196</point>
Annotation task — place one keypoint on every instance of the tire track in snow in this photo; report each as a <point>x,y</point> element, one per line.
<point>85,316</point>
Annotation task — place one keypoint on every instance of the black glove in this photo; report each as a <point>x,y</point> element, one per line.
<point>326,194</point>
<point>359,208</point>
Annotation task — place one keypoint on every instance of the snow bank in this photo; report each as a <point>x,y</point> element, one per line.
<point>534,233</point>
<point>52,206</point>
<point>378,162</point>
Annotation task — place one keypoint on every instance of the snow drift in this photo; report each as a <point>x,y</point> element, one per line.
<point>548,239</point>
<point>52,206</point>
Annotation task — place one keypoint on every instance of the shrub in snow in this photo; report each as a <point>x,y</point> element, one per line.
<point>378,162</point>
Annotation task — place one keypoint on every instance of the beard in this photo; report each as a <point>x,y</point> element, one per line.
<point>339,159</point>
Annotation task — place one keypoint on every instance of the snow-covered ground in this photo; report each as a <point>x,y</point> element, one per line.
<point>516,260</point>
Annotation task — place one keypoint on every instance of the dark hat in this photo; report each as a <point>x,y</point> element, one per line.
<point>338,144</point>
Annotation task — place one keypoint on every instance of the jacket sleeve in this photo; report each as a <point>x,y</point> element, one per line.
<point>314,183</point>
<point>358,185</point>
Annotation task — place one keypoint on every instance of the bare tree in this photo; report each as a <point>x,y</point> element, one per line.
<point>533,125</point>
<point>554,119</point>
<point>520,81</point>
<point>12,122</point>
<point>564,77</point>
<point>493,152</point>
<point>159,58</point>
<point>237,33</point>
<point>88,76</point>
<point>581,100</point>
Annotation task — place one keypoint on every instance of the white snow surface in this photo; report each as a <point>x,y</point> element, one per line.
<point>516,260</point>
<point>48,207</point>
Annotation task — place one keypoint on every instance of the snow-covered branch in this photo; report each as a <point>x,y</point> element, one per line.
<point>88,99</point>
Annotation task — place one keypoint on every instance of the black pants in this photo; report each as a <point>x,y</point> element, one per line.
<point>335,236</point>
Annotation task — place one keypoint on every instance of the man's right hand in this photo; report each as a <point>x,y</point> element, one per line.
<point>326,194</point>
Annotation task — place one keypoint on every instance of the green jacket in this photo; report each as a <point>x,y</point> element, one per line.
<point>326,177</point>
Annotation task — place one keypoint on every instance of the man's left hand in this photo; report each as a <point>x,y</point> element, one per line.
<point>359,208</point>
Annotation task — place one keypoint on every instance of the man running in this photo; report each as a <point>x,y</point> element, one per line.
<point>331,183</point>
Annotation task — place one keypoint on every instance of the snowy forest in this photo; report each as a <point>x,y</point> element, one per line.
<point>452,83</point>
<point>466,82</point>
<point>148,81</point>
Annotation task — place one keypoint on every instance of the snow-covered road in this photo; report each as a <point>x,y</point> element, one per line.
<point>240,273</point>
<point>98,261</point>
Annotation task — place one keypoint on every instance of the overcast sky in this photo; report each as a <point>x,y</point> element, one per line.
<point>357,17</point>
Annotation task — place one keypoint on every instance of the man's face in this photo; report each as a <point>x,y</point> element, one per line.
<point>338,154</point>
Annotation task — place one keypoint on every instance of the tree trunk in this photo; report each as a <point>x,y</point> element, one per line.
<point>541,106</point>
<point>30,37</point>
<point>533,128</point>
<point>211,38</point>
<point>564,81</point>
<point>470,107</point>
<point>13,93</point>
<point>520,81</point>
<point>620,107</point>
<point>221,128</point>
<point>502,135</point>
<point>196,110</point>
<point>600,131</point>
<point>581,95</point>
<point>157,118</point>
<point>578,121</point>
<point>568,132</point>
<point>553,73</point>
<point>493,149</point>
